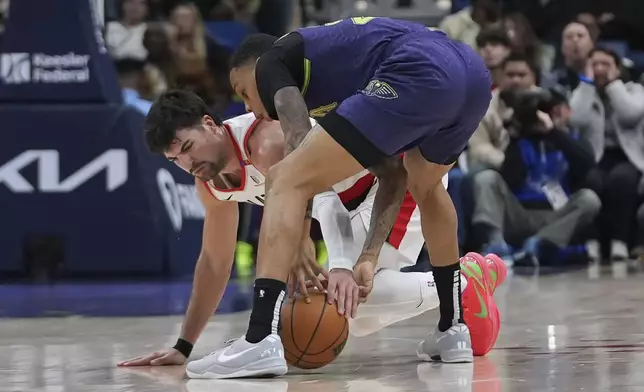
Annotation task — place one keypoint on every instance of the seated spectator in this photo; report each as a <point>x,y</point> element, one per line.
<point>525,41</point>
<point>201,63</point>
<point>133,84</point>
<point>160,68</point>
<point>466,24</point>
<point>489,141</point>
<point>124,37</point>
<point>494,46</point>
<point>577,40</point>
<point>536,196</point>
<point>610,115</point>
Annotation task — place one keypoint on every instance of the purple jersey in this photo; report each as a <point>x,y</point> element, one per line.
<point>342,57</point>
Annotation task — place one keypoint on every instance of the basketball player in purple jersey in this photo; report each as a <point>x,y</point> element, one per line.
<point>379,87</point>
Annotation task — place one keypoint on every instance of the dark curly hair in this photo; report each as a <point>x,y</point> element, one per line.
<point>252,48</point>
<point>172,111</point>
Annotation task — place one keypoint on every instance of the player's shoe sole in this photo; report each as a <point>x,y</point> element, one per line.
<point>479,309</point>
<point>260,369</point>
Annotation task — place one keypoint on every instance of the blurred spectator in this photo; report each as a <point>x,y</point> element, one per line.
<point>158,10</point>
<point>466,24</point>
<point>494,46</point>
<point>275,17</point>
<point>489,141</point>
<point>622,20</point>
<point>124,37</point>
<point>242,11</point>
<point>201,63</point>
<point>526,42</point>
<point>160,68</point>
<point>133,84</point>
<point>609,114</point>
<point>578,39</point>
<point>536,196</point>
<point>4,10</point>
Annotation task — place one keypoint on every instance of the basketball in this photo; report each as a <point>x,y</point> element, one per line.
<point>313,334</point>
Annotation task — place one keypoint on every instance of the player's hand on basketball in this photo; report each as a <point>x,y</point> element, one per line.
<point>344,290</point>
<point>363,273</point>
<point>306,268</point>
<point>167,357</point>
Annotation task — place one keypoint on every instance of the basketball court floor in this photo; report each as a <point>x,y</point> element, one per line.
<point>568,332</point>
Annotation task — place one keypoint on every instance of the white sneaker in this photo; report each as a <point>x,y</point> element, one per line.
<point>239,359</point>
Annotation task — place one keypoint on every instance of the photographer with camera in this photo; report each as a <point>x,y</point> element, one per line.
<point>535,198</point>
<point>610,115</point>
<point>486,148</point>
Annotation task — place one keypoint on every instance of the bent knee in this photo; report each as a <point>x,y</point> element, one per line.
<point>487,178</point>
<point>588,201</point>
<point>623,176</point>
<point>424,176</point>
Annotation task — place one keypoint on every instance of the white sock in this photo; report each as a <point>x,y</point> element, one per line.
<point>594,250</point>
<point>618,250</point>
<point>396,296</point>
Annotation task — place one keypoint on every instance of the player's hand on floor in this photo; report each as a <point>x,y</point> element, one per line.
<point>167,357</point>
<point>363,273</point>
<point>344,290</point>
<point>306,268</point>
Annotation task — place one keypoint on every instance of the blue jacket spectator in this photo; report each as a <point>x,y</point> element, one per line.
<point>536,197</point>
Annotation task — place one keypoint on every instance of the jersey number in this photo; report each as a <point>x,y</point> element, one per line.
<point>359,21</point>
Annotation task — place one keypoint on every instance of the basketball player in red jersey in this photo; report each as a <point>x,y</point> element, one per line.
<point>230,160</point>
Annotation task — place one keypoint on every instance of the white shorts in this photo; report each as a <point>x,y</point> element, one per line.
<point>406,238</point>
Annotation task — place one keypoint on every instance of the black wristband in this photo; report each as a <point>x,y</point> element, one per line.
<point>184,347</point>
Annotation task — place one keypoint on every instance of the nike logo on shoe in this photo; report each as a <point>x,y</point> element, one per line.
<point>470,273</point>
<point>226,358</point>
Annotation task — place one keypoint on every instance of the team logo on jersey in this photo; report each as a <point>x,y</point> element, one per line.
<point>379,89</point>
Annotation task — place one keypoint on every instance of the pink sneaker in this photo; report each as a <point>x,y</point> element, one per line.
<point>480,312</point>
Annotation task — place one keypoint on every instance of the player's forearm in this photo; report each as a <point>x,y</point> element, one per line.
<point>208,288</point>
<point>335,225</point>
<point>294,119</point>
<point>392,185</point>
<point>293,115</point>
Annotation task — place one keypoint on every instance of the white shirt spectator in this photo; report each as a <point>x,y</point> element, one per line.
<point>126,41</point>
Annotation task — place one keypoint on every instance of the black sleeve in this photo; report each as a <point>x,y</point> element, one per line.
<point>513,169</point>
<point>281,66</point>
<point>579,156</point>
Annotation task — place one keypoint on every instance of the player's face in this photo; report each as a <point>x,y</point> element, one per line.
<point>202,150</point>
<point>243,81</point>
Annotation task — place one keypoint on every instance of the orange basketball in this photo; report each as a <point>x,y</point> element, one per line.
<point>313,334</point>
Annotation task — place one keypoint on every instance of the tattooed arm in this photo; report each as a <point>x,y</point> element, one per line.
<point>392,186</point>
<point>293,115</point>
<point>296,124</point>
